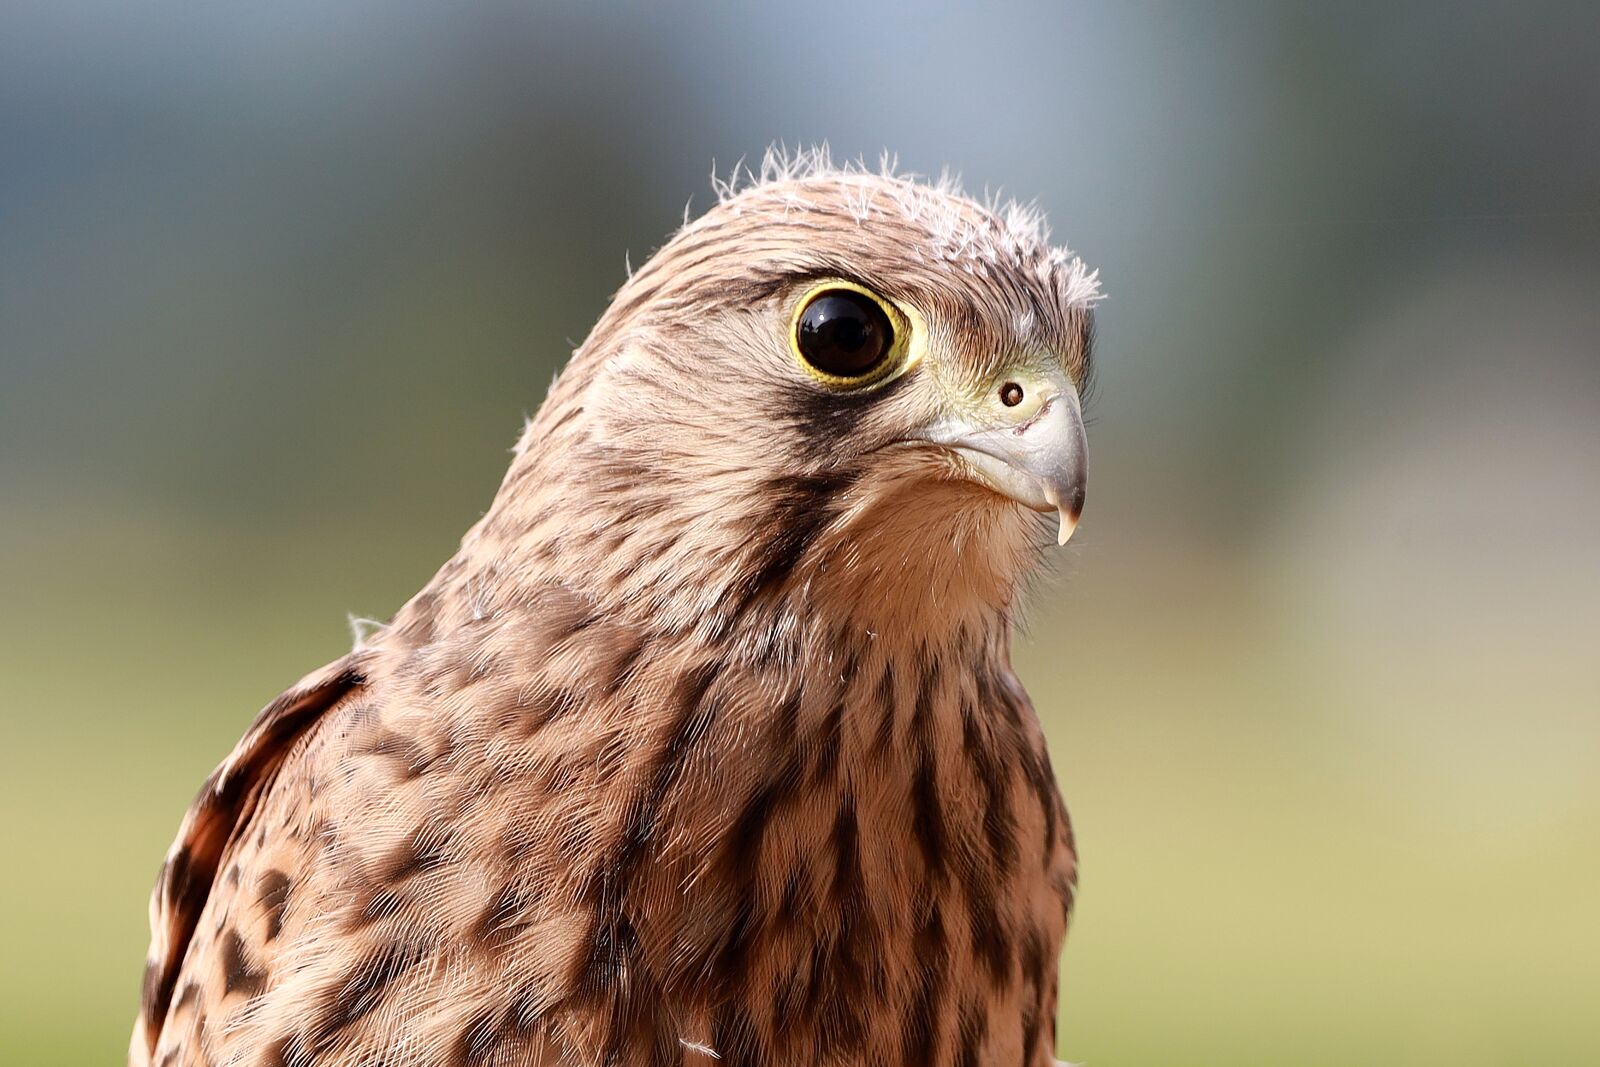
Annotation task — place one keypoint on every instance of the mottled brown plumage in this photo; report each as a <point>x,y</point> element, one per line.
<point>705,747</point>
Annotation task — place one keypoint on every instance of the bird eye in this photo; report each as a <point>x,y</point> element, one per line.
<point>842,333</point>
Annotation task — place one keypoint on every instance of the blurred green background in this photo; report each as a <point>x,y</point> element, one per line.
<point>1322,672</point>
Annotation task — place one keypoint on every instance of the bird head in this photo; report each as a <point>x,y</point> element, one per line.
<point>845,384</point>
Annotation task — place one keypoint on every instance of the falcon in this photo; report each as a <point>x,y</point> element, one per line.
<point>705,748</point>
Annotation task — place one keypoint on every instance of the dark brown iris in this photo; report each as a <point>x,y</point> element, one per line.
<point>844,333</point>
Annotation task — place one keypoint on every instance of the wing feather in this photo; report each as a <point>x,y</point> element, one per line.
<point>222,806</point>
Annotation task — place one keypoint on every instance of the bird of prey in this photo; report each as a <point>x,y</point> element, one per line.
<point>705,747</point>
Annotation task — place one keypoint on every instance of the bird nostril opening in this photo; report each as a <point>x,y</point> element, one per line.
<point>1011,394</point>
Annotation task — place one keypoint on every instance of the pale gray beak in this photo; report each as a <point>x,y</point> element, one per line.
<point>1033,450</point>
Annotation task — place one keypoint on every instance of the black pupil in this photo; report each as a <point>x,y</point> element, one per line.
<point>844,333</point>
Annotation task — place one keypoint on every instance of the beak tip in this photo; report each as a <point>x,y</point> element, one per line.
<point>1068,512</point>
<point>1069,523</point>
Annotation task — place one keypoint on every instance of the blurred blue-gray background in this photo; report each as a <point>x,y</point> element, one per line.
<point>1322,671</point>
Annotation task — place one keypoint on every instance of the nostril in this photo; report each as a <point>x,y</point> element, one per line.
<point>1011,394</point>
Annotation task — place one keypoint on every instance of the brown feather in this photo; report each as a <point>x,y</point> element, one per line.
<point>706,743</point>
<point>218,815</point>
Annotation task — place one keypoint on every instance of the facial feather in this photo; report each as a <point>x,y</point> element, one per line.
<point>684,433</point>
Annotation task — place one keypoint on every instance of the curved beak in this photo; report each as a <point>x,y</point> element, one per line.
<point>1034,451</point>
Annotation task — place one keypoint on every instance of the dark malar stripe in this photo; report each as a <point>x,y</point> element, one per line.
<point>802,507</point>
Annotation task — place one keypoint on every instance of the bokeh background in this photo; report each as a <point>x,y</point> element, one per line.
<point>1321,673</point>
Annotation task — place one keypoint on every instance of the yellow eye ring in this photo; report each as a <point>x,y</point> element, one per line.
<point>846,336</point>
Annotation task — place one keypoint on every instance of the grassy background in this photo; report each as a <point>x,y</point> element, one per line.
<point>1319,671</point>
